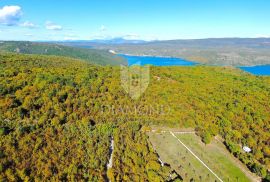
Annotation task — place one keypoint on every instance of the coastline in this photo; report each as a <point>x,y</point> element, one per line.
<point>141,55</point>
<point>241,67</point>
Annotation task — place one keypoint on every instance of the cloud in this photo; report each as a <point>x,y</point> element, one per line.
<point>10,15</point>
<point>102,28</point>
<point>52,26</point>
<point>28,24</point>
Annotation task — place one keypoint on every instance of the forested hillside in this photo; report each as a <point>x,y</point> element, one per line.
<point>57,116</point>
<point>91,55</point>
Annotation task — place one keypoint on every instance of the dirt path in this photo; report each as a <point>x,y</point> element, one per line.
<point>110,163</point>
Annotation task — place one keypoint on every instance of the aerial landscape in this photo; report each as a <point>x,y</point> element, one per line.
<point>135,91</point>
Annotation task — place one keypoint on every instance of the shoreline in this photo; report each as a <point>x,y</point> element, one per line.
<point>142,55</point>
<point>241,67</point>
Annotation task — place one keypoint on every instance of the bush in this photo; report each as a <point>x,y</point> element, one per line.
<point>206,138</point>
<point>259,170</point>
<point>4,131</point>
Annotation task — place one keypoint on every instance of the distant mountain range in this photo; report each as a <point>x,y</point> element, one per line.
<point>119,40</point>
<point>214,51</point>
<point>258,42</point>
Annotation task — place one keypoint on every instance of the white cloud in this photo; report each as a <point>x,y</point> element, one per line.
<point>102,28</point>
<point>52,26</point>
<point>10,15</point>
<point>28,24</point>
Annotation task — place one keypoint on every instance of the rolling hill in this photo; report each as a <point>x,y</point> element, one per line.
<point>56,111</point>
<point>93,56</point>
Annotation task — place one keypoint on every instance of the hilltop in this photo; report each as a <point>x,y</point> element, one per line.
<point>100,57</point>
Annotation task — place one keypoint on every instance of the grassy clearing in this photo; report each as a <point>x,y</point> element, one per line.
<point>216,157</point>
<point>213,155</point>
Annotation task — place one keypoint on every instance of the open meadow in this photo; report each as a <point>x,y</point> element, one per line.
<point>212,161</point>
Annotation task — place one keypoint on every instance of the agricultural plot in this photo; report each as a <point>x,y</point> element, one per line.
<point>212,162</point>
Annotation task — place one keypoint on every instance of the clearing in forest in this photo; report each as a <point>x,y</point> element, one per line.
<point>192,159</point>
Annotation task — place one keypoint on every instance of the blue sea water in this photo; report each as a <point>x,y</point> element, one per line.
<point>170,61</point>
<point>257,70</point>
<point>157,61</point>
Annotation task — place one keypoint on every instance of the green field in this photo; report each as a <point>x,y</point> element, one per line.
<point>214,155</point>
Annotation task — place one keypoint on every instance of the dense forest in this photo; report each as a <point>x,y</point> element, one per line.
<point>100,57</point>
<point>57,116</point>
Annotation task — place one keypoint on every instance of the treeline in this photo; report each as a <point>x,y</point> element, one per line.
<point>44,100</point>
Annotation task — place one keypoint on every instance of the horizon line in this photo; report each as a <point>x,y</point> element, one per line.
<point>154,40</point>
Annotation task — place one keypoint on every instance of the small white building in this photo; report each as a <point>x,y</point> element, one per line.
<point>247,149</point>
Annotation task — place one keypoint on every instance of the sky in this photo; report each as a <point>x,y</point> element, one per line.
<point>133,19</point>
